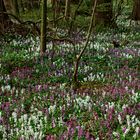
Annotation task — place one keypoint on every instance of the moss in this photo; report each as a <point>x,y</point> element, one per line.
<point>86,85</point>
<point>92,84</point>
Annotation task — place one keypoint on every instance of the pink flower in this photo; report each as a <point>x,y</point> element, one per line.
<point>53,123</point>
<point>80,131</point>
<point>87,135</point>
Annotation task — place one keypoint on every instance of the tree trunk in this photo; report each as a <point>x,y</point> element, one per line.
<point>76,65</point>
<point>9,6</point>
<point>67,9</point>
<point>21,6</point>
<point>103,13</point>
<point>136,10</point>
<point>16,8</point>
<point>9,9</point>
<point>57,8</point>
<point>3,17</point>
<point>43,26</point>
<point>2,9</point>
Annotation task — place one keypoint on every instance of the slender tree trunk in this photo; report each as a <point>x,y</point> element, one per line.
<point>67,9</point>
<point>54,7</point>
<point>43,26</point>
<point>21,5</point>
<point>76,66</point>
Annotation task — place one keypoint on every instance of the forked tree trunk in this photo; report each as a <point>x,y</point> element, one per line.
<point>76,65</point>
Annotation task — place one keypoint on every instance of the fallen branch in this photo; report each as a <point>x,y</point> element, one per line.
<point>23,22</point>
<point>50,38</point>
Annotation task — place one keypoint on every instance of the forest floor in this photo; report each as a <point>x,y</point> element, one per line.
<point>38,102</point>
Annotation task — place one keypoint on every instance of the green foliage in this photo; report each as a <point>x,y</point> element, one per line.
<point>11,60</point>
<point>38,98</point>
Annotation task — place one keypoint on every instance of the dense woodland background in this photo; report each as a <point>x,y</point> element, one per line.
<point>70,69</point>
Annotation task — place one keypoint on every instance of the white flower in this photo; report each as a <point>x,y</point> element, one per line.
<point>124,106</point>
<point>22,90</point>
<point>8,87</point>
<point>60,122</point>
<point>22,137</point>
<point>137,130</point>
<point>128,120</point>
<point>89,107</point>
<point>126,131</point>
<point>133,117</point>
<point>87,98</point>
<point>111,105</point>
<point>115,133</point>
<point>103,93</point>
<point>137,121</point>
<point>135,136</point>
<point>25,117</point>
<point>36,135</point>
<point>40,113</point>
<point>133,125</point>
<point>52,109</point>
<point>85,79</point>
<point>97,138</point>
<point>126,88</point>
<point>14,114</point>
<point>119,118</point>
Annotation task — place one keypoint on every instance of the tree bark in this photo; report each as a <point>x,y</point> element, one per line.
<point>2,9</point>
<point>43,26</point>
<point>67,9</point>
<point>136,10</point>
<point>104,13</point>
<point>16,8</point>
<point>76,65</point>
<point>9,7</point>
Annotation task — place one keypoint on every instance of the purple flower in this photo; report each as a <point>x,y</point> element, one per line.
<point>53,123</point>
<point>124,129</point>
<point>1,120</point>
<point>80,131</point>
<point>87,135</point>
